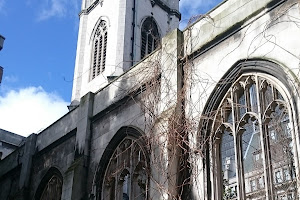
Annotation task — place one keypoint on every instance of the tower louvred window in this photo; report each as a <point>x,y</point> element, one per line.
<point>99,50</point>
<point>150,37</point>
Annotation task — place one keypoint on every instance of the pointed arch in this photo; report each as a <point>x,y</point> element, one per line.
<point>99,48</point>
<point>102,18</point>
<point>150,37</point>
<point>131,178</point>
<point>239,68</point>
<point>253,150</point>
<point>50,186</point>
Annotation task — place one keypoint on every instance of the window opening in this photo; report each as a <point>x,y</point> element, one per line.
<point>128,167</point>
<point>53,189</point>
<point>99,49</point>
<point>262,143</point>
<point>149,37</point>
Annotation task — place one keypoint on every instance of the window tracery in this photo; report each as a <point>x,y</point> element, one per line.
<point>126,175</point>
<point>99,49</point>
<point>150,37</point>
<point>53,189</point>
<point>254,143</point>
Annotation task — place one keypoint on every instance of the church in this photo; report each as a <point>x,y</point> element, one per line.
<point>210,112</point>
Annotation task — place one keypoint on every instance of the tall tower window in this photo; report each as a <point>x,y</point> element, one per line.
<point>150,37</point>
<point>99,49</point>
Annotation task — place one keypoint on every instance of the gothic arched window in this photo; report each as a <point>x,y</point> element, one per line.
<point>150,37</point>
<point>99,49</point>
<point>254,142</point>
<point>126,175</point>
<point>51,186</point>
<point>53,189</point>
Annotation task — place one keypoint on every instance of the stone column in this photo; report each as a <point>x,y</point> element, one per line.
<point>82,147</point>
<point>26,160</point>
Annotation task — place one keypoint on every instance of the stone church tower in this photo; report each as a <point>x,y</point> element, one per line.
<point>223,124</point>
<point>114,35</point>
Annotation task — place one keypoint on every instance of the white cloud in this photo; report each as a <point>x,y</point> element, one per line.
<point>29,110</point>
<point>10,79</point>
<point>58,8</point>
<point>55,8</point>
<point>2,3</point>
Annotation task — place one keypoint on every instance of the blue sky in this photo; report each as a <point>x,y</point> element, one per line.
<point>39,55</point>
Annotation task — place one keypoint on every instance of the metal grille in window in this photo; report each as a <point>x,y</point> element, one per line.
<point>150,37</point>
<point>99,49</point>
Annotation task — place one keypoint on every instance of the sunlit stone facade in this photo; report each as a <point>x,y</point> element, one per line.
<point>212,112</point>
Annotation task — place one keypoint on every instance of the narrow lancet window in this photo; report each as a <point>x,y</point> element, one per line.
<point>99,50</point>
<point>150,37</point>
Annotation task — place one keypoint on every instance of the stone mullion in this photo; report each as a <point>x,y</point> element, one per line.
<point>247,95</point>
<point>131,170</point>
<point>117,182</point>
<point>268,174</point>
<point>239,164</point>
<point>215,158</point>
<point>237,145</point>
<point>247,98</point>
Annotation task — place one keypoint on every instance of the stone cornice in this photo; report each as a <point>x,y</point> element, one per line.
<point>153,3</point>
<point>166,8</point>
<point>91,7</point>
